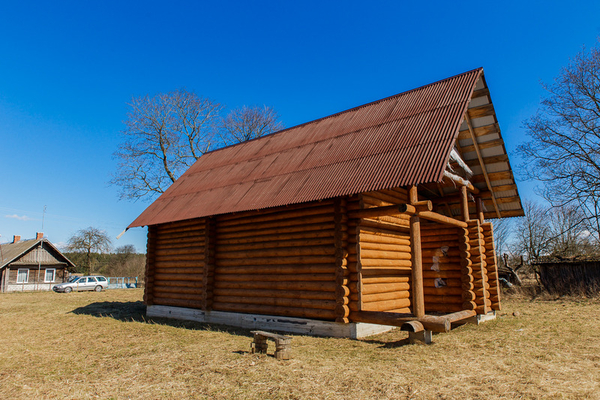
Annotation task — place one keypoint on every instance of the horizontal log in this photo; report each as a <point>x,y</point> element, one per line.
<point>440,238</point>
<point>385,247</point>
<point>378,279</point>
<point>385,287</point>
<point>283,232</point>
<point>442,307</point>
<point>194,252</point>
<point>288,294</point>
<point>430,282</point>
<point>284,223</point>
<point>437,252</point>
<point>369,298</point>
<point>443,299</point>
<point>190,258</point>
<point>326,209</point>
<point>178,264</point>
<point>276,243</point>
<point>375,239</point>
<point>178,270</point>
<point>382,305</point>
<point>179,230</point>
<point>276,310</point>
<point>451,244</point>
<point>184,247</point>
<point>383,198</point>
<point>383,228</point>
<point>273,211</point>
<point>186,283</point>
<point>432,323</point>
<point>380,211</point>
<point>286,252</point>
<point>441,274</point>
<point>287,239</point>
<point>382,254</point>
<point>191,236</point>
<point>177,296</point>
<point>177,290</point>
<point>442,219</point>
<point>177,277</point>
<point>294,260</point>
<point>317,286</point>
<point>260,270</point>
<point>372,262</point>
<point>178,303</point>
<point>460,315</point>
<point>275,278</point>
<point>449,291</point>
<point>276,301</point>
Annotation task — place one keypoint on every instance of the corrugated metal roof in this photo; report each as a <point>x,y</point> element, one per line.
<point>400,140</point>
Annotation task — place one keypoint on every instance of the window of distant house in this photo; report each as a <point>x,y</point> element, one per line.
<point>23,276</point>
<point>50,273</point>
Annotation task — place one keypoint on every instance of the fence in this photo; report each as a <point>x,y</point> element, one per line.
<point>122,282</point>
<point>570,277</point>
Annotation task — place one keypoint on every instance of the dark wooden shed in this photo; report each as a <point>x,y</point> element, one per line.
<point>373,216</point>
<point>33,264</point>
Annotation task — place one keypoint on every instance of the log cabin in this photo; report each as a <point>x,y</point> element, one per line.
<point>373,217</point>
<point>31,265</point>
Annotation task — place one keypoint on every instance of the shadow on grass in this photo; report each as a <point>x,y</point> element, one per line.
<point>135,311</point>
<point>387,345</point>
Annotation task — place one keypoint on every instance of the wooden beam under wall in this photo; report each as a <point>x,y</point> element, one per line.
<point>481,163</point>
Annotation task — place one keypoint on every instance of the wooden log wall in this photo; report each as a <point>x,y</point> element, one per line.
<point>480,285</point>
<point>382,256</point>
<point>175,264</point>
<point>492,265</point>
<point>281,261</point>
<point>342,273</point>
<point>442,268</point>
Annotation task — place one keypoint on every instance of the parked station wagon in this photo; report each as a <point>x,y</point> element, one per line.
<point>96,282</point>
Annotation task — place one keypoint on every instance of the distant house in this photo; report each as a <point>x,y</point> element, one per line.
<point>34,264</point>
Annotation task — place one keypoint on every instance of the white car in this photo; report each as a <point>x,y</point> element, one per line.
<point>96,282</point>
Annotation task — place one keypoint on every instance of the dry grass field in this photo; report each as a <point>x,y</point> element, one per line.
<point>99,345</point>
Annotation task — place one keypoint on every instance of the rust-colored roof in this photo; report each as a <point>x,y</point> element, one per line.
<point>400,140</point>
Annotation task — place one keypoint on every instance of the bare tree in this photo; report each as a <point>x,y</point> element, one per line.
<point>568,232</point>
<point>163,136</point>
<point>248,123</point>
<point>564,150</point>
<point>533,231</point>
<point>502,234</point>
<point>88,241</point>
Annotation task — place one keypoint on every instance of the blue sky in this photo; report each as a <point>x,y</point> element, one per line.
<point>68,68</point>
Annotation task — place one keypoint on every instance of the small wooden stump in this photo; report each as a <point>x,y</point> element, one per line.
<point>283,344</point>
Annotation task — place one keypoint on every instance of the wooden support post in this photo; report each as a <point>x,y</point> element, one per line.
<point>417,267</point>
<point>464,203</point>
<point>479,207</point>
<point>413,194</point>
